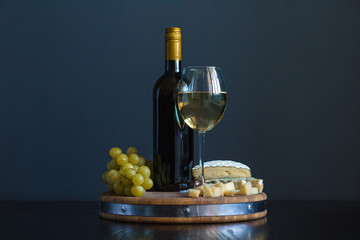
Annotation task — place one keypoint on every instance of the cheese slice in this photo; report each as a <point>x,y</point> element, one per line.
<point>208,192</point>
<point>239,182</point>
<point>194,193</point>
<point>229,186</point>
<point>240,187</point>
<point>200,188</point>
<point>216,191</point>
<point>246,189</point>
<point>222,187</point>
<point>231,192</point>
<point>258,183</point>
<point>222,169</point>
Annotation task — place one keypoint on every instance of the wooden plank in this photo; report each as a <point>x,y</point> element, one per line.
<point>175,198</point>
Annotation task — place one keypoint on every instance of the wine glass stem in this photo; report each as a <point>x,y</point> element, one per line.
<point>201,157</point>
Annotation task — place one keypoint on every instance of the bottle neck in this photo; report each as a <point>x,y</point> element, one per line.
<point>173,53</point>
<point>173,66</point>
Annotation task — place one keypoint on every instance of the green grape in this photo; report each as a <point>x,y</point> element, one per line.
<point>109,174</point>
<point>137,191</point>
<point>119,188</point>
<point>136,167</point>
<point>142,161</point>
<point>113,164</point>
<point>110,187</point>
<point>145,171</point>
<point>108,166</point>
<point>134,158</point>
<point>148,183</point>
<point>131,150</point>
<point>129,173</point>
<point>127,190</point>
<point>138,179</point>
<point>125,181</point>
<point>114,152</point>
<point>121,172</point>
<point>104,177</point>
<point>113,178</point>
<point>126,166</point>
<point>122,159</point>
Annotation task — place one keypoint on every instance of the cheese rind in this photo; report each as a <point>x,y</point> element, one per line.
<point>223,163</point>
<point>222,169</point>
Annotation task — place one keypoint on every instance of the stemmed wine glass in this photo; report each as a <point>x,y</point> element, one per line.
<point>201,101</point>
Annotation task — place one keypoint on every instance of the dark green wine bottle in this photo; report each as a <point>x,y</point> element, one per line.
<point>172,141</point>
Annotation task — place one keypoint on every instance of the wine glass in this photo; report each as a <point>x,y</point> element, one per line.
<point>201,101</point>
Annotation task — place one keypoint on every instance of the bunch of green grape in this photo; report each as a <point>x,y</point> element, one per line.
<point>127,173</point>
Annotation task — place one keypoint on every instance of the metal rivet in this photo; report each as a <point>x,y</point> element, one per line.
<point>249,206</point>
<point>123,209</point>
<point>186,210</point>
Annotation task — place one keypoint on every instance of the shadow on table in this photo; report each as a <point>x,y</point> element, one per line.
<point>255,229</point>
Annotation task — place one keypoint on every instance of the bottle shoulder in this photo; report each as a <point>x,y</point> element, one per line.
<point>167,82</point>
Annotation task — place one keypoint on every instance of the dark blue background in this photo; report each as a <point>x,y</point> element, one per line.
<point>76,78</point>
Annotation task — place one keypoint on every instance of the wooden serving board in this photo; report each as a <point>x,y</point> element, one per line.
<point>174,207</point>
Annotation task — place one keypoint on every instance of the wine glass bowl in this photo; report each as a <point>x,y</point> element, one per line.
<point>201,101</point>
<point>201,97</point>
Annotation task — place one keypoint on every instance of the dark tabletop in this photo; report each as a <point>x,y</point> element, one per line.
<point>80,220</point>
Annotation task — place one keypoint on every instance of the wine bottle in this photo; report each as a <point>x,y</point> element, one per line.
<point>172,139</point>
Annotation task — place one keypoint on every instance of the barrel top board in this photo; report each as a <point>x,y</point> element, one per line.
<point>176,198</point>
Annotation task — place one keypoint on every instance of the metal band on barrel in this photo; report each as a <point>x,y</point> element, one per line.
<point>183,210</point>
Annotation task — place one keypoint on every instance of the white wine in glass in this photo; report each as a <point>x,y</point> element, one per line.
<point>201,101</point>
<point>202,110</point>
